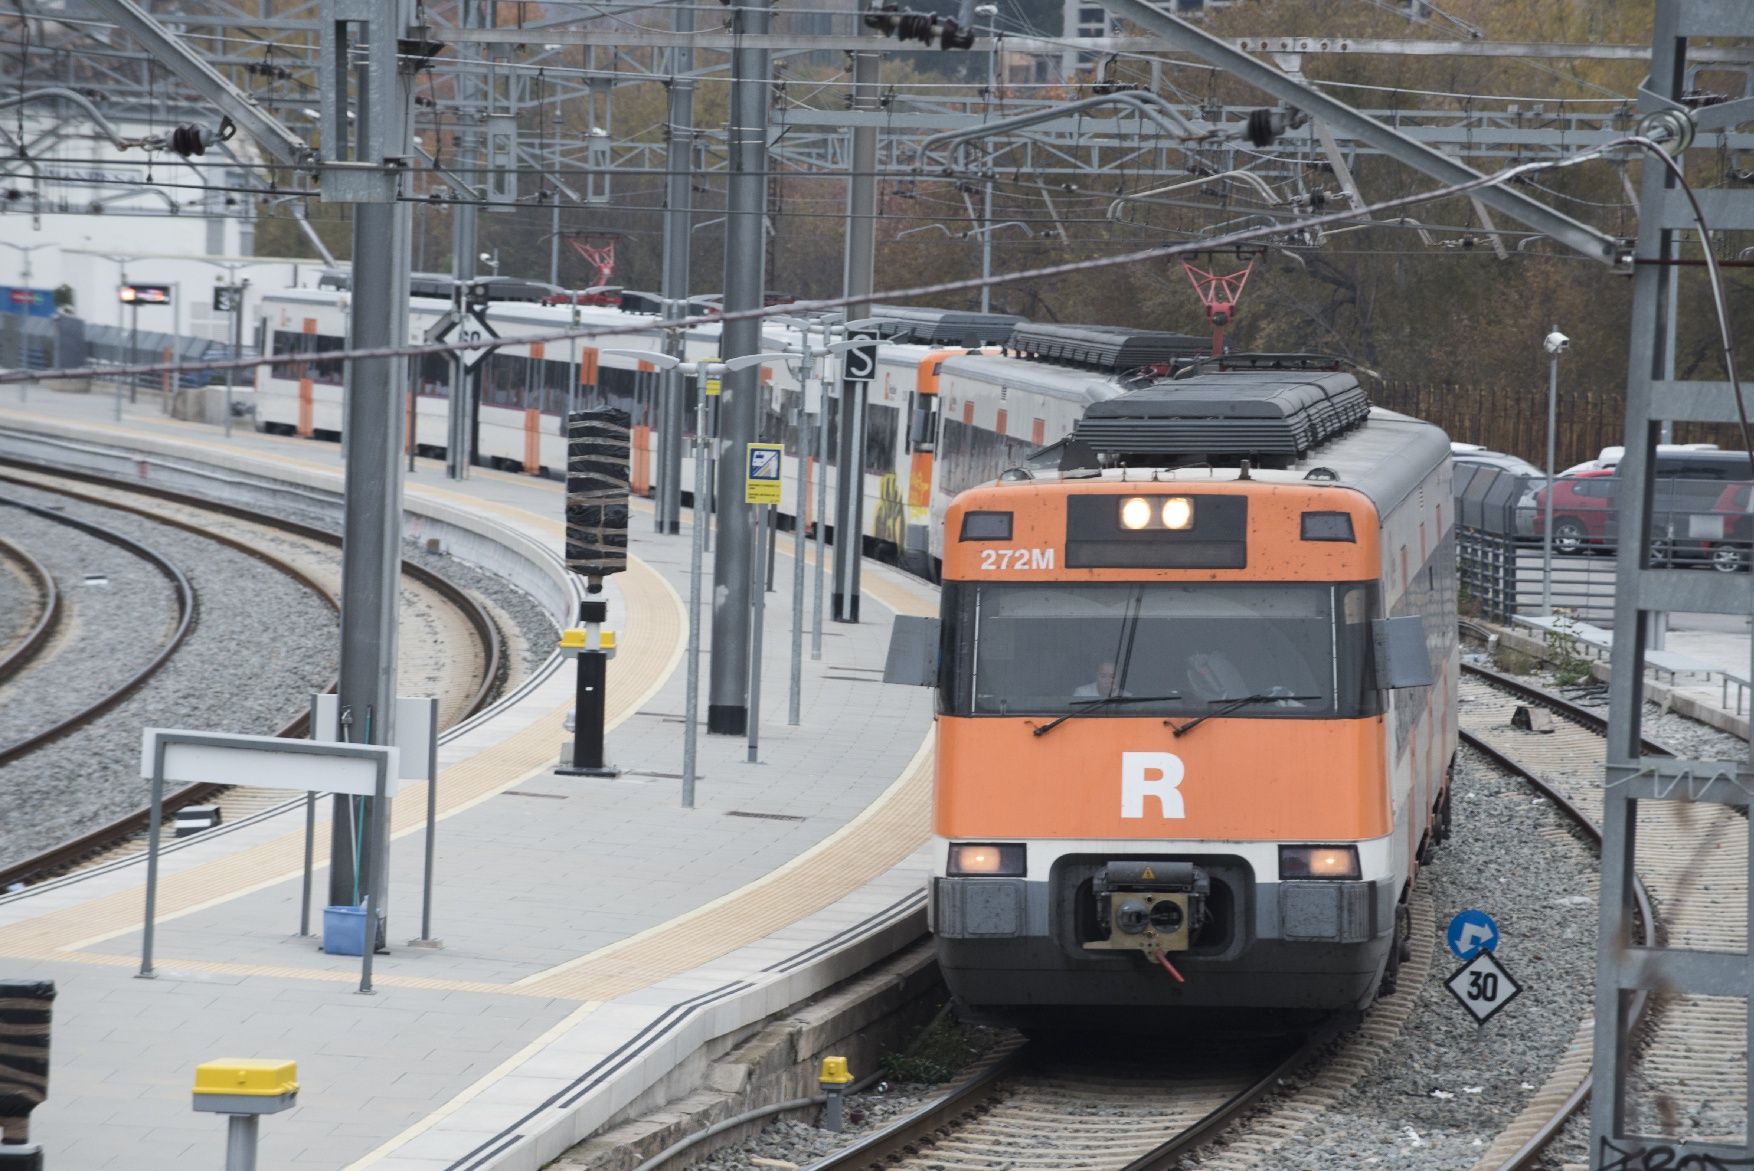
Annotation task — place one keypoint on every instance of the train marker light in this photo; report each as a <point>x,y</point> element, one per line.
<point>1318,862</point>
<point>1178,513</point>
<point>1135,512</point>
<point>986,859</point>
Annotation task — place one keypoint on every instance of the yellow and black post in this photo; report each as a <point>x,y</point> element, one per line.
<point>598,446</point>
<point>24,1068</point>
<point>592,647</point>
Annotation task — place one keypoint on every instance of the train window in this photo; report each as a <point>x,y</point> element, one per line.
<point>1033,648</point>
<point>1327,526</point>
<point>922,420</point>
<point>882,425</point>
<point>986,526</point>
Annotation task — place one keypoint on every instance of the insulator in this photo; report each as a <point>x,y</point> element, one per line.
<point>189,139</point>
<point>1261,131</point>
<point>956,37</point>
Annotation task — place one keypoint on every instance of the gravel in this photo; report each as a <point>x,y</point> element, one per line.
<point>536,628</point>
<point>1445,1086</point>
<point>110,629</point>
<point>262,644</point>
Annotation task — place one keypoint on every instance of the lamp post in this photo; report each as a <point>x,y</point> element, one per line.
<point>1555,343</point>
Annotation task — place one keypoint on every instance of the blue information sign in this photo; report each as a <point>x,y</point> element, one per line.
<point>1470,933</point>
<point>27,302</point>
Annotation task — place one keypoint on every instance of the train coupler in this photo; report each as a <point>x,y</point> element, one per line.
<point>1152,906</point>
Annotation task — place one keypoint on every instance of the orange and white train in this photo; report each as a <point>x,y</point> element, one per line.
<point>1196,670</point>
<point>944,412</point>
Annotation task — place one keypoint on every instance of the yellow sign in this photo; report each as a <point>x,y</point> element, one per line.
<point>761,473</point>
<point>712,387</point>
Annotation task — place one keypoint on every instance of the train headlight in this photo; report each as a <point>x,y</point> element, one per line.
<point>986,859</point>
<point>1318,862</point>
<point>1135,512</point>
<point>1178,513</point>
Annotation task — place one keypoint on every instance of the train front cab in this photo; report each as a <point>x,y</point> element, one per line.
<point>1120,854</point>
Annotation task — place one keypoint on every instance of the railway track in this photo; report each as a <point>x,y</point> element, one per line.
<point>1024,1109</point>
<point>1691,890</point>
<point>182,590</point>
<point>126,835</point>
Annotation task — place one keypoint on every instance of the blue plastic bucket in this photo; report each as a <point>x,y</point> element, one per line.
<point>344,931</point>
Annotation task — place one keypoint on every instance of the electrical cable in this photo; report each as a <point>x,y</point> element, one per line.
<point>1252,235</point>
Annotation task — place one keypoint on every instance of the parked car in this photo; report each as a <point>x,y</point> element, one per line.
<point>1733,551</point>
<point>1699,511</point>
<point>1585,506</point>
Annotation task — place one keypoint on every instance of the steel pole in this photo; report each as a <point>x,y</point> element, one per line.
<point>758,604</point>
<point>987,248</point>
<point>678,214</point>
<point>821,512</point>
<point>860,273</point>
<point>240,1142</point>
<point>371,550</point>
<point>745,254</point>
<point>1547,524</point>
<point>237,340</point>
<point>463,241</point>
<point>696,554</point>
<point>849,514</point>
<point>801,427</point>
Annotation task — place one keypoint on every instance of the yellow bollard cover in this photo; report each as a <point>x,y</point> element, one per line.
<point>834,1072</point>
<point>250,1077</point>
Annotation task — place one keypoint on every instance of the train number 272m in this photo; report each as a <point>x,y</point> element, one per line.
<point>1017,559</point>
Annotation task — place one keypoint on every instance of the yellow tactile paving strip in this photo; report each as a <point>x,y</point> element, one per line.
<point>890,829</point>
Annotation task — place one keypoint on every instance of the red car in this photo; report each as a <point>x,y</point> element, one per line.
<point>1585,511</point>
<point>1694,519</point>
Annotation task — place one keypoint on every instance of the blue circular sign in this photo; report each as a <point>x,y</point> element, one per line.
<point>1470,933</point>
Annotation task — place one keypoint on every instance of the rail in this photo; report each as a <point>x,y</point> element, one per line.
<point>185,596</point>
<point>38,635</point>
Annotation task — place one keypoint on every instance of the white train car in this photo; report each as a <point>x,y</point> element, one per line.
<point>939,418</point>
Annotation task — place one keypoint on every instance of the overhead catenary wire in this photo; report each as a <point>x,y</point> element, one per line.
<point>1247,236</point>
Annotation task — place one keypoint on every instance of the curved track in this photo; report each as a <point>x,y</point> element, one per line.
<point>185,599</point>
<point>1022,1109</point>
<point>42,583</point>
<point>125,834</point>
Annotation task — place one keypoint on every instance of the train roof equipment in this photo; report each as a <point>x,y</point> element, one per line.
<point>1105,347</point>
<point>1268,415</point>
<point>941,327</point>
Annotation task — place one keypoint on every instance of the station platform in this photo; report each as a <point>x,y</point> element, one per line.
<point>594,932</point>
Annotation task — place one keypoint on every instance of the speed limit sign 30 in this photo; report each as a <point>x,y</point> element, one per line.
<point>1483,986</point>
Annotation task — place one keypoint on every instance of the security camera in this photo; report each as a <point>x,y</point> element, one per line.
<point>1556,342</point>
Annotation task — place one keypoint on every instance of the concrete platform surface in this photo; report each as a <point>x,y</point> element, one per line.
<point>594,932</point>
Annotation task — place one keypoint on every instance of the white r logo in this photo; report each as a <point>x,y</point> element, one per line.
<point>1151,774</point>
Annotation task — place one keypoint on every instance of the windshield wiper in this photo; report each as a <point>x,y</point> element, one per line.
<point>1090,705</point>
<point>1231,705</point>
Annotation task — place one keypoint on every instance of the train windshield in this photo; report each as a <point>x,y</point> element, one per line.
<point>1301,649</point>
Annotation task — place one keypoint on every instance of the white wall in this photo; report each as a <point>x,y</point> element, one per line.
<point>100,218</point>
